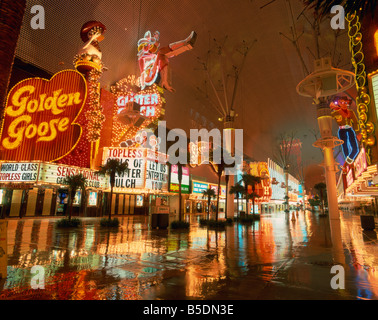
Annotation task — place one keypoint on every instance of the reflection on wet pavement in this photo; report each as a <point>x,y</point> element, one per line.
<point>275,258</point>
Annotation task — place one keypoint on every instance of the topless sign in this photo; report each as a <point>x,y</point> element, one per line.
<point>39,119</point>
<point>146,169</point>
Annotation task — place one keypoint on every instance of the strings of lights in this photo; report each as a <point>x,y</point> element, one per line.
<point>94,114</point>
<point>363,100</point>
<point>129,86</point>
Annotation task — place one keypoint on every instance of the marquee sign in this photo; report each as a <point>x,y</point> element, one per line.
<point>199,187</point>
<point>47,173</point>
<point>360,164</point>
<point>156,176</point>
<point>56,174</point>
<point>148,169</point>
<point>349,177</point>
<point>19,172</point>
<point>39,119</point>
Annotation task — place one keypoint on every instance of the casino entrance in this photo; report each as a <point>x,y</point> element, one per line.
<point>126,204</point>
<point>134,204</point>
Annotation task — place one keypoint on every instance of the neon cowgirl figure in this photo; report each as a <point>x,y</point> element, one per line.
<point>348,125</point>
<point>153,60</point>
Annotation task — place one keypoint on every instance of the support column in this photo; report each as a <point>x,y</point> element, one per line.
<point>330,173</point>
<point>327,143</point>
<point>287,199</point>
<point>230,198</point>
<point>229,144</point>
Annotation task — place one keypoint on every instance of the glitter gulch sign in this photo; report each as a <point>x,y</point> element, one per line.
<point>39,119</point>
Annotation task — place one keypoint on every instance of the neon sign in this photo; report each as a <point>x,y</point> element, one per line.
<point>174,185</point>
<point>349,177</point>
<point>148,103</point>
<point>134,109</point>
<point>360,165</point>
<point>39,121</point>
<point>350,146</point>
<point>141,99</point>
<point>154,61</point>
<point>199,187</point>
<point>348,125</point>
<point>264,188</point>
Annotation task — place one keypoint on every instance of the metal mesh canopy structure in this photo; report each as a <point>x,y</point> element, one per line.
<point>266,100</point>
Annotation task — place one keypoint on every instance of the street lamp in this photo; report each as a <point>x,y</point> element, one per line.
<point>324,82</point>
<point>229,136</point>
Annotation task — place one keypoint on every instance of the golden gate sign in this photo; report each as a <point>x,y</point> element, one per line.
<point>39,119</point>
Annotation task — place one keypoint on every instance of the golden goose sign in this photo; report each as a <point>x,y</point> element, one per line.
<point>39,119</point>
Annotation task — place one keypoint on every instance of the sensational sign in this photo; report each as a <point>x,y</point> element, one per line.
<point>39,119</point>
<point>56,174</point>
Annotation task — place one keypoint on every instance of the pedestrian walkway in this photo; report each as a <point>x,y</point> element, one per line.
<point>275,258</point>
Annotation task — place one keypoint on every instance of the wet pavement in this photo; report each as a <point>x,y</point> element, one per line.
<point>275,258</point>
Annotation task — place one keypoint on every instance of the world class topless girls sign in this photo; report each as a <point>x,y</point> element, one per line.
<point>39,119</point>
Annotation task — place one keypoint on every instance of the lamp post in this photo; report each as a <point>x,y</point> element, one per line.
<point>287,199</point>
<point>229,133</point>
<point>324,82</point>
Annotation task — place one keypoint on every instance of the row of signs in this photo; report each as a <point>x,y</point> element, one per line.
<point>199,187</point>
<point>148,169</point>
<point>48,173</point>
<point>143,173</point>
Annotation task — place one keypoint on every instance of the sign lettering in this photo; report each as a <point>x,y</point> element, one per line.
<point>40,115</point>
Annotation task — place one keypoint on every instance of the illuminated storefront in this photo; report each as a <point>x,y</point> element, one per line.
<point>38,189</point>
<point>197,203</point>
<point>146,179</point>
<point>278,188</point>
<point>360,183</point>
